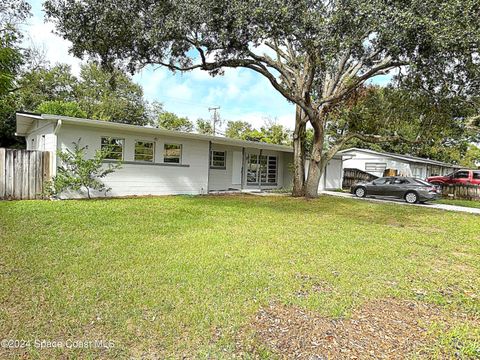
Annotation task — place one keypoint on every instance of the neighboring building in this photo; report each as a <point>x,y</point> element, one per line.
<point>375,163</point>
<point>161,162</point>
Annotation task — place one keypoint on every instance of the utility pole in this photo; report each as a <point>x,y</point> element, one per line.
<point>215,117</point>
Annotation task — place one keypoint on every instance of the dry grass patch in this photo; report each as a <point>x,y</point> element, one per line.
<point>380,329</point>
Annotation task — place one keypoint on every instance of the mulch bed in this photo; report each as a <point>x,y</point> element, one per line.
<point>380,329</point>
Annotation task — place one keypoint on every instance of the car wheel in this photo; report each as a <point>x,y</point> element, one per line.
<point>360,192</point>
<point>411,198</point>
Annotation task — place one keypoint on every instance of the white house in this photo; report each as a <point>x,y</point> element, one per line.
<point>160,162</point>
<point>375,163</point>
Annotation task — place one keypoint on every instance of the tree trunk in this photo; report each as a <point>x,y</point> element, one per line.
<point>299,154</point>
<point>316,167</point>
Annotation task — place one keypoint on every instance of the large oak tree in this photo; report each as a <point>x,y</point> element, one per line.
<point>314,52</point>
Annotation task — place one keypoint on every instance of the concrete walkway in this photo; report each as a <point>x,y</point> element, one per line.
<point>401,202</point>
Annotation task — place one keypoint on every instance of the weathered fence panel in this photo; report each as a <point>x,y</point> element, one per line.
<point>23,173</point>
<point>353,176</point>
<point>461,191</point>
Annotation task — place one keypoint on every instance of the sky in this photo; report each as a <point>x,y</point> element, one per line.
<point>241,94</point>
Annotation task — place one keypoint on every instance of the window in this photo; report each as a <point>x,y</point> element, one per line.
<point>375,167</point>
<point>217,159</point>
<point>172,153</point>
<point>398,181</point>
<point>113,148</point>
<point>461,175</point>
<point>382,181</point>
<point>262,168</point>
<point>476,175</point>
<point>144,151</point>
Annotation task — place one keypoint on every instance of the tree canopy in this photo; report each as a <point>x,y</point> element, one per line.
<point>12,14</point>
<point>271,132</point>
<point>315,53</point>
<point>171,121</point>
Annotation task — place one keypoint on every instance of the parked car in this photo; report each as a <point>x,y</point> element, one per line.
<point>457,177</point>
<point>410,189</point>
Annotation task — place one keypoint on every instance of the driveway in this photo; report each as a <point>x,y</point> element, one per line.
<point>401,202</point>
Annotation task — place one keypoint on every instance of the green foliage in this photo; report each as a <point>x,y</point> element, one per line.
<point>12,13</point>
<point>110,96</point>
<point>45,83</point>
<point>204,127</point>
<point>97,93</point>
<point>61,108</point>
<point>271,132</point>
<point>8,106</point>
<point>237,129</point>
<point>76,172</point>
<point>471,159</point>
<point>171,121</point>
<point>419,124</point>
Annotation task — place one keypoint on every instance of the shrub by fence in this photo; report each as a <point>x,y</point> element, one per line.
<point>461,191</point>
<point>23,173</point>
<point>353,176</point>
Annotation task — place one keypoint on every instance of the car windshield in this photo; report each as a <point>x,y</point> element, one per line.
<point>423,182</point>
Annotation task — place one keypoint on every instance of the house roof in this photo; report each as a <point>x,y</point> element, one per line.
<point>25,122</point>
<point>408,158</point>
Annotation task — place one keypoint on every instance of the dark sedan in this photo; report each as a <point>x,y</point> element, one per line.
<point>410,189</point>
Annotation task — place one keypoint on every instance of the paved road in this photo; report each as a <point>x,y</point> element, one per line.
<point>400,202</point>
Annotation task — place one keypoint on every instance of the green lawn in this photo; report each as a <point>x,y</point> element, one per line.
<point>173,276</point>
<point>466,203</point>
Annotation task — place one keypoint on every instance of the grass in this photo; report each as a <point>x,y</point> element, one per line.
<point>466,203</point>
<point>182,276</point>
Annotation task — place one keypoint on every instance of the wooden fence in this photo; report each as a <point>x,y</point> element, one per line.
<point>23,173</point>
<point>353,176</point>
<point>461,191</point>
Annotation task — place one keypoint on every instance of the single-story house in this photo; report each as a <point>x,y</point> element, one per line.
<point>160,162</point>
<point>375,163</point>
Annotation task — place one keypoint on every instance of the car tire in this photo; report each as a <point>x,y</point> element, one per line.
<point>360,192</point>
<point>411,197</point>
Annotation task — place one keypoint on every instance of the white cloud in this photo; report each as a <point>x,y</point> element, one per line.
<point>40,35</point>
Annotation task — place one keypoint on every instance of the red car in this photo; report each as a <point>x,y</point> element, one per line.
<point>457,177</point>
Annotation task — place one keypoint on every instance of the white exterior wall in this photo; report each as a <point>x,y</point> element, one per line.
<point>222,179</point>
<point>190,177</point>
<point>41,137</point>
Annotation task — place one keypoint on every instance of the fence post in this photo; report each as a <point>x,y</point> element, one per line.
<point>2,173</point>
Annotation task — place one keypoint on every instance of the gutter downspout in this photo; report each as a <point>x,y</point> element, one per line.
<point>57,127</point>
<point>259,172</point>
<point>208,165</point>
<point>242,182</point>
<point>53,169</point>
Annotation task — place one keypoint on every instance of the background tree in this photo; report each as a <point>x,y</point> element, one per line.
<point>271,132</point>
<point>237,129</point>
<point>318,52</point>
<point>12,14</point>
<point>204,127</point>
<point>46,83</point>
<point>440,123</point>
<point>171,121</point>
<point>471,159</point>
<point>110,96</point>
<point>61,108</point>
